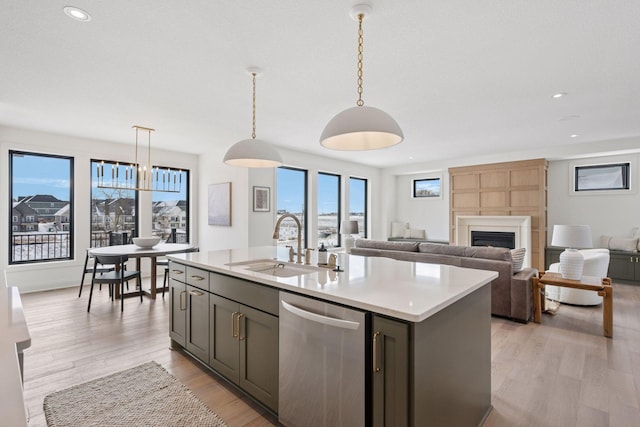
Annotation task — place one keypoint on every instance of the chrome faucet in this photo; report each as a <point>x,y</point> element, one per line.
<point>276,232</point>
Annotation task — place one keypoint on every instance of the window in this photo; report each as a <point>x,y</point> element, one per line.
<point>171,210</point>
<point>37,183</point>
<point>113,211</point>
<point>292,199</point>
<point>358,204</point>
<point>428,187</point>
<point>602,177</point>
<point>328,209</point>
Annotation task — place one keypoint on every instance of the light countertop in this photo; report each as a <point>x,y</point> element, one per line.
<point>14,337</point>
<point>401,289</point>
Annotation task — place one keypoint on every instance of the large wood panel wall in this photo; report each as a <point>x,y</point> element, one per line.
<point>511,188</point>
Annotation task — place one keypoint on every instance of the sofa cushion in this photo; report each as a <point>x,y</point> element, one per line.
<point>489,252</point>
<point>393,246</point>
<point>517,259</point>
<point>434,248</point>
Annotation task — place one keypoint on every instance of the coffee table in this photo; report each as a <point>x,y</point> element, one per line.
<point>589,283</point>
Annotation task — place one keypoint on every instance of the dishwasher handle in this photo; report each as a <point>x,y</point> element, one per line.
<point>318,318</point>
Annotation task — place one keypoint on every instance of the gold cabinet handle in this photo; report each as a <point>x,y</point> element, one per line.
<point>197,278</point>
<point>233,325</point>
<point>177,271</point>
<point>376,369</point>
<point>185,305</point>
<point>196,293</point>
<point>240,337</point>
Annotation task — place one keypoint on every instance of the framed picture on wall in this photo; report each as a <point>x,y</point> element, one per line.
<point>261,199</point>
<point>220,204</point>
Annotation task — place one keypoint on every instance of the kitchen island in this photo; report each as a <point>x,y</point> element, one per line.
<point>426,334</point>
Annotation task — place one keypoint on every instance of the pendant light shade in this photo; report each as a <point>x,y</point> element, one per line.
<point>253,153</point>
<point>361,128</point>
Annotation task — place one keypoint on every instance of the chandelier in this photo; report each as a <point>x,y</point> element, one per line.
<point>137,176</point>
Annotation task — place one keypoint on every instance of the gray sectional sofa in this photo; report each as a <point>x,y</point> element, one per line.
<point>511,293</point>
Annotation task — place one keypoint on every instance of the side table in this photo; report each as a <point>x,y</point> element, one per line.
<point>601,286</point>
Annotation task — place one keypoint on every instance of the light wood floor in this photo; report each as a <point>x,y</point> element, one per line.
<point>560,373</point>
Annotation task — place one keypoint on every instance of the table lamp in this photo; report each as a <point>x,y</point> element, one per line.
<point>347,228</point>
<point>571,237</point>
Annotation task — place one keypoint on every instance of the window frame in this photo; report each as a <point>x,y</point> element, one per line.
<point>362,233</point>
<point>305,215</point>
<point>414,187</point>
<point>624,170</point>
<point>187,183</point>
<point>71,231</point>
<point>338,207</point>
<point>136,201</point>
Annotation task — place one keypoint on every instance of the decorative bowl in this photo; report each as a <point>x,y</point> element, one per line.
<point>146,242</point>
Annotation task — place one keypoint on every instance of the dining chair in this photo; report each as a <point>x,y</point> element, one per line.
<point>90,267</point>
<point>119,276</point>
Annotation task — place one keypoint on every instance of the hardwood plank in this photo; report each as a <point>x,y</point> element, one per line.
<point>561,372</point>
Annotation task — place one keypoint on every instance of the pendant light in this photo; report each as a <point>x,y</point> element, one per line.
<point>253,153</point>
<point>361,127</point>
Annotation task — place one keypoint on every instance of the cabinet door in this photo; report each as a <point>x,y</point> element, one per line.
<point>224,353</point>
<point>198,323</point>
<point>258,339</point>
<point>623,267</point>
<point>390,372</point>
<point>178,312</point>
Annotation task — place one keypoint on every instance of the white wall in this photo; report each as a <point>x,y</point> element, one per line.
<point>607,213</point>
<point>261,223</point>
<point>50,275</point>
<point>612,213</point>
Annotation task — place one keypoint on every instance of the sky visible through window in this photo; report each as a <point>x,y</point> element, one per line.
<point>40,175</point>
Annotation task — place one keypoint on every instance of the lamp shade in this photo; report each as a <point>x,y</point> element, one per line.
<point>253,153</point>
<point>361,128</point>
<point>571,236</point>
<point>349,227</point>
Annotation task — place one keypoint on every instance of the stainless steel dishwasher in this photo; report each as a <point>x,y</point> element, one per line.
<point>322,363</point>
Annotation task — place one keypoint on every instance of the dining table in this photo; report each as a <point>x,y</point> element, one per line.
<point>137,252</point>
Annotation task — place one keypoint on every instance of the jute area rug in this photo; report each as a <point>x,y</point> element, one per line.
<point>146,395</point>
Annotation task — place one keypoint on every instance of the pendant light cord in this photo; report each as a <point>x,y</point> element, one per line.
<point>253,134</point>
<point>360,102</point>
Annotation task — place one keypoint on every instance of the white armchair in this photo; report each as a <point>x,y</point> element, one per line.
<point>596,263</point>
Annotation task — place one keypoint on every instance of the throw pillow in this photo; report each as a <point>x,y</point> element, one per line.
<point>604,241</point>
<point>623,244</point>
<point>412,233</point>
<point>517,259</point>
<point>398,228</point>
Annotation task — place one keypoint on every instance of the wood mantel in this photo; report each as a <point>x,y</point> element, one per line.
<point>511,188</point>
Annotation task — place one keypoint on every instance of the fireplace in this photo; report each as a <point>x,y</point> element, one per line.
<point>519,226</point>
<point>498,239</point>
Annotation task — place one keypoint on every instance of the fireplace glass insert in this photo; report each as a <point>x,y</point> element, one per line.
<point>500,239</point>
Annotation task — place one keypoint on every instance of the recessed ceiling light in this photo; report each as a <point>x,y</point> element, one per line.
<point>77,14</point>
<point>569,117</point>
<point>575,135</point>
<point>559,95</point>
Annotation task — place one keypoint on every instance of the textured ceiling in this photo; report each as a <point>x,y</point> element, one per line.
<point>462,78</point>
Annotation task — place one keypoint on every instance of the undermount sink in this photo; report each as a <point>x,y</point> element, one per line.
<point>275,268</point>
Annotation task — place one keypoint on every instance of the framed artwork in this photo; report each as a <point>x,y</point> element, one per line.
<point>261,199</point>
<point>220,204</point>
<point>428,187</point>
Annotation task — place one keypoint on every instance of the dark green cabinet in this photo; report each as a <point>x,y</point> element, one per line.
<point>244,348</point>
<point>177,312</point>
<point>197,314</point>
<point>390,384</point>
